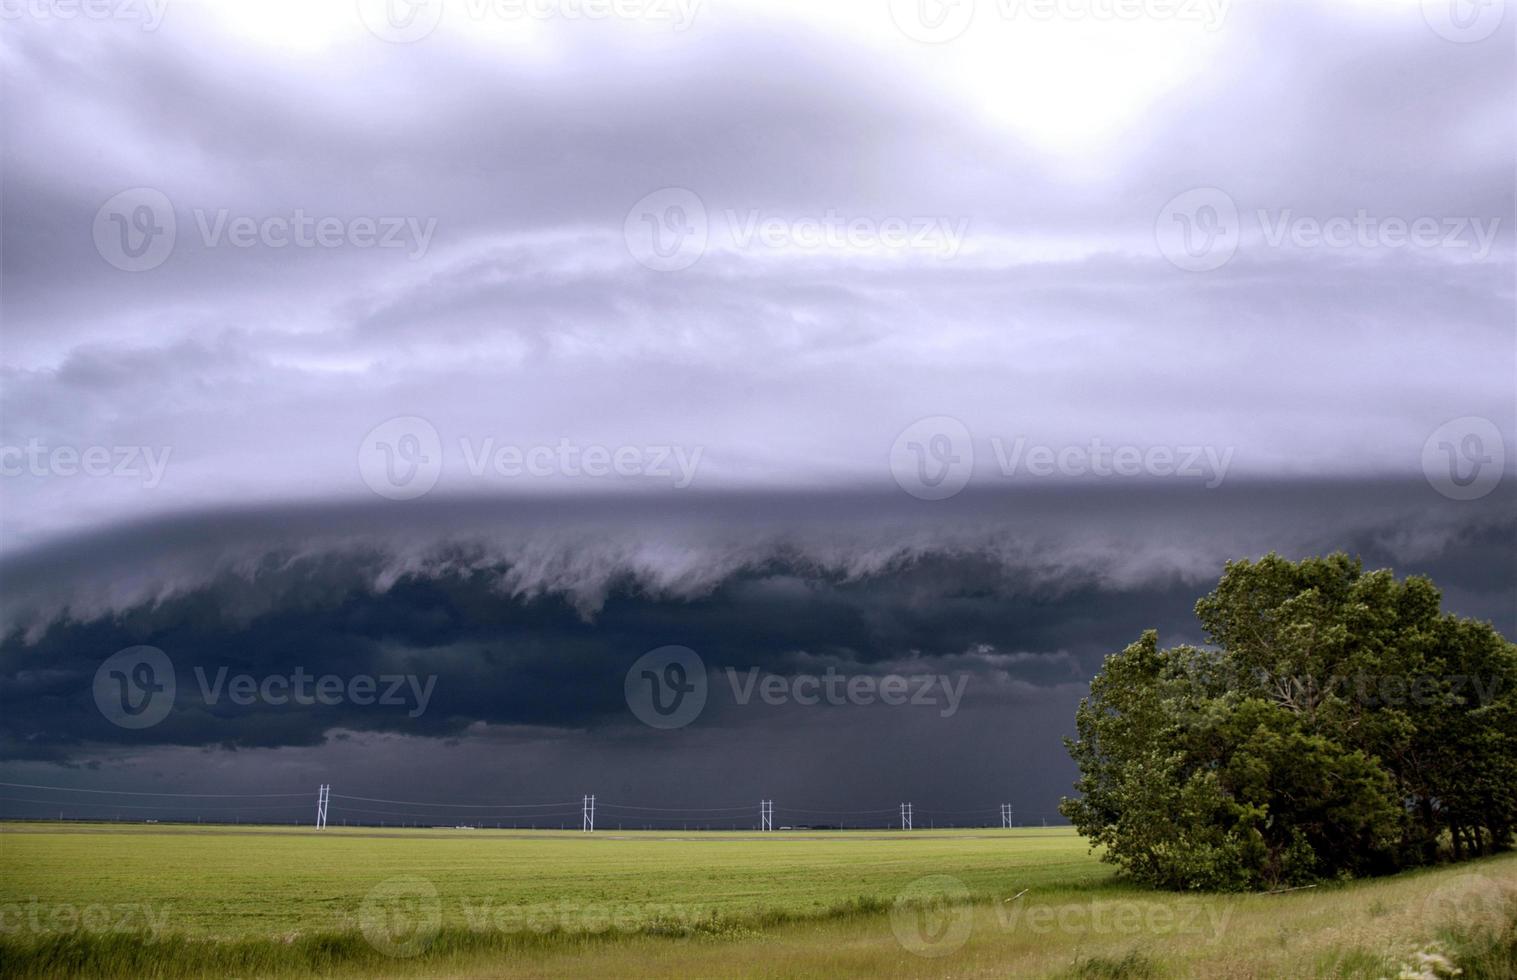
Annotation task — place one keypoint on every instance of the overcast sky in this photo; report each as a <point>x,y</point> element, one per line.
<point>972,335</point>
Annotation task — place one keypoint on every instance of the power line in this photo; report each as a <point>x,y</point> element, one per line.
<point>136,792</point>
<point>679,809</point>
<point>474,806</point>
<point>142,806</point>
<point>460,816</point>
<point>687,815</point>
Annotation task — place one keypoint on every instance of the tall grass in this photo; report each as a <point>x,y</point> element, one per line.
<point>84,953</point>
<point>1487,954</point>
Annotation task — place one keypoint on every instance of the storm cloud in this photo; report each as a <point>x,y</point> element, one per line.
<point>509,353</point>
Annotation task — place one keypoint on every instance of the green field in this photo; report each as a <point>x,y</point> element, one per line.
<point>145,900</point>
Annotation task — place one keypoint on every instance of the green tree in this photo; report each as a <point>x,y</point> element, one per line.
<point>1337,724</point>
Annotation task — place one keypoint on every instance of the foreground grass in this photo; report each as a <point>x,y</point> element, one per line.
<point>477,904</point>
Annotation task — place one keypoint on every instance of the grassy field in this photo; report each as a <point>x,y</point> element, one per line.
<point>157,900</point>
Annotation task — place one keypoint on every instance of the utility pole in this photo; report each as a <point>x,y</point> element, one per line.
<point>905,816</point>
<point>587,815</point>
<point>766,814</point>
<point>322,795</point>
<point>1006,816</point>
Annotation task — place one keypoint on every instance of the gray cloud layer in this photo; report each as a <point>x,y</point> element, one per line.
<point>527,320</point>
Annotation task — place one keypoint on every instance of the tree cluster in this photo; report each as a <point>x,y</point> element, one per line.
<point>1338,723</point>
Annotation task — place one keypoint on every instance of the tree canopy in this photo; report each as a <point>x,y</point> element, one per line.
<point>1338,723</point>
